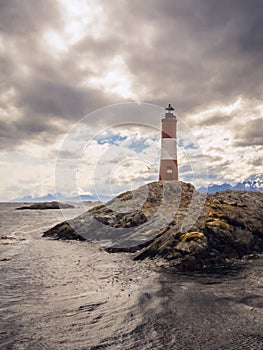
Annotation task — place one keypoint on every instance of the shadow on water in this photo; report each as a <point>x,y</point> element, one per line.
<point>209,275</point>
<point>216,308</point>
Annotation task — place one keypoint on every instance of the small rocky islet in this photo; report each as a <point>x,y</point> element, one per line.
<point>46,205</point>
<point>172,222</point>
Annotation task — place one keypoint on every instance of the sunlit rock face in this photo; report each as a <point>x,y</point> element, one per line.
<point>171,220</point>
<point>229,227</point>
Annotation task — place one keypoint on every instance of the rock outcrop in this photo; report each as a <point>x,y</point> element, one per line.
<point>173,221</point>
<point>132,218</point>
<point>46,205</point>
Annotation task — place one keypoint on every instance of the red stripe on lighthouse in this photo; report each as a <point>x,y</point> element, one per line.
<point>169,128</point>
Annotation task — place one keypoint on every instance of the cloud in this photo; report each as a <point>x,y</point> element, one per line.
<point>250,134</point>
<point>194,53</point>
<point>61,60</point>
<point>197,54</point>
<point>46,87</point>
<point>22,19</point>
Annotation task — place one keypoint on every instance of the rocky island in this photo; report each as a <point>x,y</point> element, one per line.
<point>46,205</point>
<point>172,221</point>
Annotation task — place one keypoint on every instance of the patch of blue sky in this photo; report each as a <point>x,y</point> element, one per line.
<point>138,145</point>
<point>180,143</point>
<point>186,144</point>
<point>110,138</point>
<point>191,146</point>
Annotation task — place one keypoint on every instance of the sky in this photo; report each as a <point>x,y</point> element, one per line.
<point>84,83</point>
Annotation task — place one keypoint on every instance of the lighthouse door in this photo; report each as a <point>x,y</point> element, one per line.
<point>169,173</point>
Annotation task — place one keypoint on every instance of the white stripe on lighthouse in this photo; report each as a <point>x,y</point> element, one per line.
<point>169,148</point>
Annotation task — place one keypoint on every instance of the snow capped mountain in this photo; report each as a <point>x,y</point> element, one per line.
<point>253,183</point>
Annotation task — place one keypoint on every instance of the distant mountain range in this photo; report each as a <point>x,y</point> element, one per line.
<point>253,183</point>
<point>59,197</point>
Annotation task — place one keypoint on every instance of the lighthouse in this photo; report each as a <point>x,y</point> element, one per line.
<point>168,162</point>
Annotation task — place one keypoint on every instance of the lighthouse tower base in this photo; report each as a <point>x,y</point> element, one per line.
<point>168,170</point>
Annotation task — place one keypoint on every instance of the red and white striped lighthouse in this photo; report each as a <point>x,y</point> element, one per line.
<point>168,163</point>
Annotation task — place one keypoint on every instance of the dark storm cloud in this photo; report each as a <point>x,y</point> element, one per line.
<point>251,134</point>
<point>256,162</point>
<point>55,98</point>
<point>21,18</point>
<point>195,53</point>
<point>215,119</point>
<point>46,88</point>
<point>25,129</point>
<point>7,134</point>
<point>202,51</point>
<point>21,26</point>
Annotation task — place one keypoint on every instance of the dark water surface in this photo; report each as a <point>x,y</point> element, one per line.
<point>73,295</point>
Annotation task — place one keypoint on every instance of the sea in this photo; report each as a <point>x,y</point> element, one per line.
<point>73,295</point>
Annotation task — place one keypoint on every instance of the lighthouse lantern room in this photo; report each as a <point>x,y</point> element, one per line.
<point>168,162</point>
